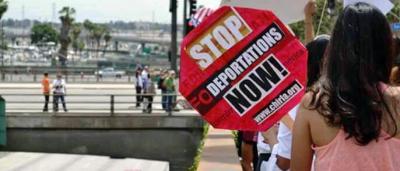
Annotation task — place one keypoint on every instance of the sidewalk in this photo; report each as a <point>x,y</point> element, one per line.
<point>219,153</point>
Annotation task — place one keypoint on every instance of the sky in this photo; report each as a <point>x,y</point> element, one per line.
<point>99,10</point>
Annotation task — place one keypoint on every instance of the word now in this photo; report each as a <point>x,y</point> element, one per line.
<point>256,85</point>
<point>218,39</point>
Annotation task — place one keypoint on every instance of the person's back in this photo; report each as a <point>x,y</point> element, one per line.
<point>335,151</point>
<point>351,116</point>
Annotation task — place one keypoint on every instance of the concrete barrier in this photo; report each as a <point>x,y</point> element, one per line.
<point>174,139</point>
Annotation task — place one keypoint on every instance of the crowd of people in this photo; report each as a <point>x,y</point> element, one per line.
<point>146,90</point>
<point>348,119</point>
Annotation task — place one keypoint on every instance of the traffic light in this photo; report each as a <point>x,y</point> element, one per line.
<point>193,7</point>
<point>173,4</point>
<point>192,12</point>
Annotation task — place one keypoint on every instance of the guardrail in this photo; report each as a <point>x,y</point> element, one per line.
<point>111,104</point>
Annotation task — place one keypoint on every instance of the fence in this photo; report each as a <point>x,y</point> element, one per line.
<point>72,74</point>
<point>109,104</point>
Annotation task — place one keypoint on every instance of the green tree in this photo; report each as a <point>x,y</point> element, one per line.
<point>394,15</point>
<point>98,34</point>
<point>89,27</point>
<point>325,24</point>
<point>3,7</point>
<point>107,39</point>
<point>67,19</point>
<point>43,33</point>
<point>75,33</point>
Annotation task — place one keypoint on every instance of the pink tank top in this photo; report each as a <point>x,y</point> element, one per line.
<point>341,154</point>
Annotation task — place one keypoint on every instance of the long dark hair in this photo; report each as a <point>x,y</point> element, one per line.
<point>316,51</point>
<point>359,58</point>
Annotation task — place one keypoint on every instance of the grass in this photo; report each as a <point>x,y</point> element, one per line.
<point>197,159</point>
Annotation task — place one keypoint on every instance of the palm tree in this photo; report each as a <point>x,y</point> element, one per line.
<point>67,19</point>
<point>89,27</point>
<point>107,39</point>
<point>98,33</point>
<point>76,32</point>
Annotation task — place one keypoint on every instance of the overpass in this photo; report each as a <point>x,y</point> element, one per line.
<point>147,37</point>
<point>101,120</point>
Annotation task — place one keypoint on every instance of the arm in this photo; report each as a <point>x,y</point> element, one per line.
<point>64,86</point>
<point>309,12</point>
<point>302,153</point>
<point>270,136</point>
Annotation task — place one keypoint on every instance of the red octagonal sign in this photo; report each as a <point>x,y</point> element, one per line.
<point>242,69</point>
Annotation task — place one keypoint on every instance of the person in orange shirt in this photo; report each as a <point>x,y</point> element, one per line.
<point>46,91</point>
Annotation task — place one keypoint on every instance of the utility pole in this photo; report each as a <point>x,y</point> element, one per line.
<point>185,18</point>
<point>174,43</point>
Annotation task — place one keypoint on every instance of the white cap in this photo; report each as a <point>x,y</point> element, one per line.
<point>384,5</point>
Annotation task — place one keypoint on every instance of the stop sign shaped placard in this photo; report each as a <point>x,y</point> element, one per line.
<point>242,69</point>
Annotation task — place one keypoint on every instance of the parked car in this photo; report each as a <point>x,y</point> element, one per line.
<point>109,72</point>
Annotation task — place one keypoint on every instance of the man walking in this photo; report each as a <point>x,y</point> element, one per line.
<point>46,91</point>
<point>59,91</point>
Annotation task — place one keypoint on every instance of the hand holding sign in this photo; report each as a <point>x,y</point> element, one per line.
<point>242,69</point>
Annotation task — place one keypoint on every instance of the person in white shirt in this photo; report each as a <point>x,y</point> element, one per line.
<point>145,77</point>
<point>264,152</point>
<point>59,91</point>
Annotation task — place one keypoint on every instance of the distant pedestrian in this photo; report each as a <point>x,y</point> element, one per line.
<point>46,91</point>
<point>163,89</point>
<point>59,91</point>
<point>139,86</point>
<point>169,84</point>
<point>149,96</point>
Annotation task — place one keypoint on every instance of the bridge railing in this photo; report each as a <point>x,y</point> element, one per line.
<point>109,104</point>
<point>71,74</point>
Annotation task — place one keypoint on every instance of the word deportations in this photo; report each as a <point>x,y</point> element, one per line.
<point>219,38</point>
<point>257,84</point>
<point>268,39</point>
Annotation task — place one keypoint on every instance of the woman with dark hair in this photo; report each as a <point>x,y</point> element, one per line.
<point>349,118</point>
<point>395,75</point>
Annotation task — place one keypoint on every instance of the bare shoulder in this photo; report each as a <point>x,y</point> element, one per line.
<point>321,133</point>
<point>393,91</point>
<point>307,108</point>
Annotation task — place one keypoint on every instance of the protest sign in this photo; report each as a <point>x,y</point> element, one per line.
<point>242,69</point>
<point>289,11</point>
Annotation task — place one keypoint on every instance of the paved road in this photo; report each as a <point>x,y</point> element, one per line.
<point>21,161</point>
<point>82,98</point>
<point>219,153</point>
